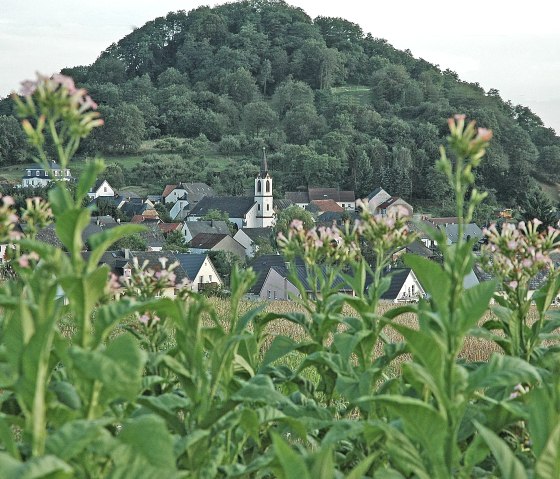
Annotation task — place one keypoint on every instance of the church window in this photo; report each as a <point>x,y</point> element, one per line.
<point>259,188</point>
<point>259,207</point>
<point>267,207</point>
<point>268,186</point>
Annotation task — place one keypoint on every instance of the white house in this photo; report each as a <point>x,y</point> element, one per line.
<point>100,189</point>
<point>37,176</point>
<point>404,287</point>
<point>249,238</point>
<point>179,211</point>
<point>172,193</point>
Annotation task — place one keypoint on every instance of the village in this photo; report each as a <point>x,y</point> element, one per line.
<point>242,229</point>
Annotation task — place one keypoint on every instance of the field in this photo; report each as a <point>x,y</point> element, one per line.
<point>353,95</point>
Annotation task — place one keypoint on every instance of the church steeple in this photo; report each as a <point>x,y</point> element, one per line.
<point>263,195</point>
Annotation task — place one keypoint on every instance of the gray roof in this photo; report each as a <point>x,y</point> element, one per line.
<point>331,194</point>
<point>197,191</point>
<point>191,263</point>
<point>398,277</point>
<point>255,233</point>
<point>281,204</point>
<point>297,196</point>
<point>375,192</point>
<point>153,236</point>
<point>207,240</point>
<point>469,231</point>
<point>212,226</point>
<point>234,206</point>
<point>419,248</point>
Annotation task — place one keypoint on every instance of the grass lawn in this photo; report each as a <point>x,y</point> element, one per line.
<point>355,95</point>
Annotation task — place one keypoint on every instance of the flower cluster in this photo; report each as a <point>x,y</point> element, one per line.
<point>516,254</point>
<point>318,245</point>
<point>384,233</point>
<point>468,141</point>
<point>53,101</point>
<point>36,215</point>
<point>8,220</point>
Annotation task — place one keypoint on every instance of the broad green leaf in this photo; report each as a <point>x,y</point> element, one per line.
<point>280,346</point>
<point>69,228</point>
<point>149,438</point>
<point>7,438</point>
<point>88,177</point>
<point>422,423</point>
<point>346,343</point>
<point>507,462</point>
<point>502,371</point>
<point>474,303</point>
<point>66,393</point>
<point>542,418</point>
<point>548,462</point>
<point>100,242</point>
<point>323,465</point>
<point>544,296</point>
<point>292,464</point>
<point>385,474</point>
<point>167,406</point>
<point>72,438</point>
<point>432,278</point>
<point>50,467</point>
<point>60,200</point>
<point>342,429</point>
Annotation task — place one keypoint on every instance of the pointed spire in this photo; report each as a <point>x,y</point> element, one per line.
<point>264,165</point>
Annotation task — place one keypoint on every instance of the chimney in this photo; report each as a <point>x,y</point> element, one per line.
<point>212,223</point>
<point>126,253</point>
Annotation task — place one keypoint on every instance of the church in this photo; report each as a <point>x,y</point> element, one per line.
<point>244,211</point>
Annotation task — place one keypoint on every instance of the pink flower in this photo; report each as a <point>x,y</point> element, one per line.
<point>8,201</point>
<point>144,319</point>
<point>484,134</point>
<point>23,261</point>
<point>28,87</point>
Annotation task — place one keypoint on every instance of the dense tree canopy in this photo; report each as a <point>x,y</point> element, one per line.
<point>260,73</point>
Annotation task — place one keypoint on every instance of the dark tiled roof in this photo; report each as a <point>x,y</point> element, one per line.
<point>297,196</point>
<point>330,217</point>
<point>261,265</point>
<point>234,206</point>
<point>191,263</point>
<point>281,204</point>
<point>167,190</point>
<point>419,248</point>
<point>153,237</point>
<point>197,191</point>
<point>398,277</point>
<point>169,227</point>
<point>255,233</point>
<point>471,230</point>
<point>206,240</point>
<point>331,194</point>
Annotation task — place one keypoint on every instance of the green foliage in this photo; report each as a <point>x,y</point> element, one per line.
<point>286,216</point>
<point>175,241</point>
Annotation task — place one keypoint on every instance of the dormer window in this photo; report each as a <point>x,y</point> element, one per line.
<point>28,172</point>
<point>36,172</point>
<point>127,272</point>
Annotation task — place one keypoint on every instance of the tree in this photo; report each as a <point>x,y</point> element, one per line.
<point>536,204</point>
<point>290,94</point>
<point>175,241</point>
<point>294,212</point>
<point>240,86</point>
<point>302,123</point>
<point>123,131</point>
<point>265,74</point>
<point>133,242</point>
<point>13,145</point>
<point>114,175</point>
<point>224,261</point>
<point>258,116</point>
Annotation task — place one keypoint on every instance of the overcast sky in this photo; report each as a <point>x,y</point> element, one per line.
<point>512,46</point>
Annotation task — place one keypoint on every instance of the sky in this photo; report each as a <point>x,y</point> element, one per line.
<point>512,46</point>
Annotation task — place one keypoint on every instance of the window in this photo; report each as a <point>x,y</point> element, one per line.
<point>210,278</point>
<point>267,186</point>
<point>105,189</point>
<point>274,294</point>
<point>201,278</point>
<point>36,172</point>
<point>259,207</point>
<point>413,289</point>
<point>28,172</point>
<point>259,187</point>
<point>267,207</point>
<point>269,295</point>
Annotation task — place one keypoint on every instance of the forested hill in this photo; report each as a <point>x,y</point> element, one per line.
<point>333,105</point>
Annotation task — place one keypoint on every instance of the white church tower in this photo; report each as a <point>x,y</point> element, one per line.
<point>263,196</point>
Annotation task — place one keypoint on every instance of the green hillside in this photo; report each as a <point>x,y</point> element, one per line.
<point>333,105</point>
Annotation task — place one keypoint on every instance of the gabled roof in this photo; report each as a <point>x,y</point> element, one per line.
<point>261,265</point>
<point>167,190</point>
<point>234,206</point>
<point>206,240</point>
<point>331,194</point>
<point>153,237</point>
<point>338,217</point>
<point>297,196</point>
<point>375,192</point>
<point>301,273</point>
<point>450,220</point>
<point>197,191</point>
<point>256,233</point>
<point>169,227</point>
<point>419,248</point>
<point>388,202</point>
<point>398,277</point>
<point>323,206</point>
<point>471,230</point>
<point>281,204</point>
<point>136,219</point>
<point>211,226</point>
<point>191,263</point>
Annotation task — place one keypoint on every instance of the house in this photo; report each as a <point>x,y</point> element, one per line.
<point>37,176</point>
<point>167,228</point>
<point>197,269</point>
<point>417,247</point>
<point>345,199</point>
<point>470,231</point>
<point>180,210</point>
<point>376,197</point>
<point>392,204</point>
<point>339,219</point>
<point>204,242</point>
<point>250,237</point>
<point>191,228</point>
<point>244,211</point>
<point>278,286</point>
<point>136,206</point>
<point>101,188</point>
<point>404,287</point>
<point>200,271</point>
<point>318,207</point>
<point>241,210</point>
<point>380,202</point>
<point>171,193</point>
